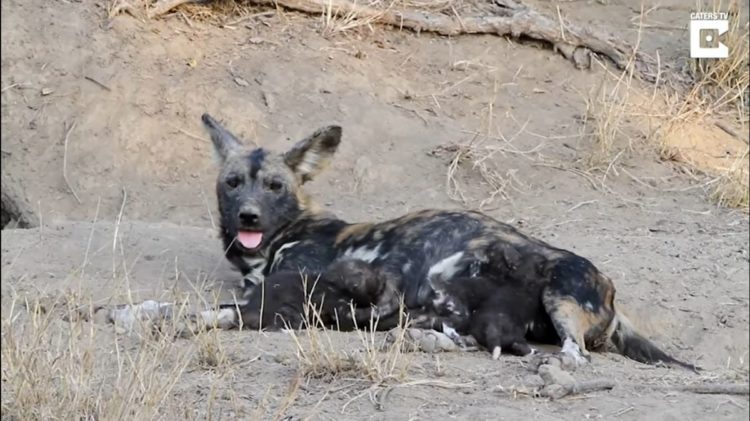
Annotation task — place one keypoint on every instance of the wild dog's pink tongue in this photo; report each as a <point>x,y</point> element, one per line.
<point>250,239</point>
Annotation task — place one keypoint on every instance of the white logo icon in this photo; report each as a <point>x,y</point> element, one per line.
<point>705,30</point>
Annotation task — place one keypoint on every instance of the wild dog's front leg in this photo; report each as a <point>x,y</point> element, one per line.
<point>151,314</point>
<point>127,317</point>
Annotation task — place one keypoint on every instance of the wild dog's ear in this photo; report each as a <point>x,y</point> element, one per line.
<point>224,141</point>
<point>312,154</point>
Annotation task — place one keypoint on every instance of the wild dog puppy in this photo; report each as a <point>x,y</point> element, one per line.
<point>501,322</point>
<point>500,305</point>
<point>373,293</point>
<point>347,294</point>
<point>268,224</point>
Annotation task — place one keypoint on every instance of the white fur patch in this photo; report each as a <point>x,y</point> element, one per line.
<point>588,306</point>
<point>571,348</point>
<point>446,268</point>
<point>280,254</point>
<point>363,253</point>
<point>529,326</point>
<point>405,268</point>
<point>450,332</point>
<point>225,318</point>
<point>496,353</point>
<point>257,265</point>
<point>440,299</point>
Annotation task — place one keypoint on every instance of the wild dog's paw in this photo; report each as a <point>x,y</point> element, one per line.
<point>425,340</point>
<point>464,342</point>
<point>558,359</point>
<point>467,343</point>
<point>573,351</point>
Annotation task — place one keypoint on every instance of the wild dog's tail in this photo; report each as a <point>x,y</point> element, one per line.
<point>633,344</point>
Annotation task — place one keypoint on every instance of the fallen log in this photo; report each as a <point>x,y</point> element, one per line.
<point>512,19</point>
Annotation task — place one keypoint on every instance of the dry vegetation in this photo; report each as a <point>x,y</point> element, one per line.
<point>56,369</point>
<point>699,124</point>
<point>377,361</point>
<point>617,117</point>
<point>57,362</point>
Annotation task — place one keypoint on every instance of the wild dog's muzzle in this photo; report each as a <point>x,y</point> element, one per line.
<point>250,233</point>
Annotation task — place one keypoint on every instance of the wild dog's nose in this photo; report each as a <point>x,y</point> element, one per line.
<point>249,217</point>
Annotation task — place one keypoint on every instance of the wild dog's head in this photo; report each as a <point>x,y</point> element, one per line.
<point>259,192</point>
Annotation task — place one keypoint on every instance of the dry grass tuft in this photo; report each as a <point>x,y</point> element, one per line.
<point>320,358</point>
<point>52,369</point>
<point>607,112</point>
<point>210,353</point>
<point>336,23</point>
<point>478,156</point>
<point>687,127</point>
<point>721,83</point>
<point>733,186</point>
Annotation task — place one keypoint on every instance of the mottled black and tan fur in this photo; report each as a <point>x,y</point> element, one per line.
<point>269,225</point>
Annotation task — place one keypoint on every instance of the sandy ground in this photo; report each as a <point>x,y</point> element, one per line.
<point>138,154</point>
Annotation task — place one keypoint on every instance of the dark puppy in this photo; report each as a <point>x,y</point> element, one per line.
<point>514,310</point>
<point>455,302</point>
<point>501,305</point>
<point>502,321</point>
<point>372,292</point>
<point>346,295</point>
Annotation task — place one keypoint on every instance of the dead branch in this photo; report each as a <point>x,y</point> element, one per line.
<point>557,391</point>
<point>513,19</point>
<point>716,389</point>
<point>65,163</point>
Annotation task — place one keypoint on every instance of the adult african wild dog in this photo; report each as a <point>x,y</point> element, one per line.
<point>268,224</point>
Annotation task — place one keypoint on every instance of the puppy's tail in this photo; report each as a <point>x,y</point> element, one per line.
<point>634,345</point>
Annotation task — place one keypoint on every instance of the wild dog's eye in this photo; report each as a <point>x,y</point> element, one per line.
<point>274,185</point>
<point>233,181</point>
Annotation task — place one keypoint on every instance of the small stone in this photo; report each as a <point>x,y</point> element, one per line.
<point>555,375</point>
<point>555,391</point>
<point>428,344</point>
<point>444,343</point>
<point>533,381</point>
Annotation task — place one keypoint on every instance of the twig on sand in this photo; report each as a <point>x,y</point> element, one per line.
<point>557,391</point>
<point>65,162</point>
<point>249,17</point>
<point>117,230</point>
<point>714,389</point>
<point>96,82</point>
